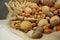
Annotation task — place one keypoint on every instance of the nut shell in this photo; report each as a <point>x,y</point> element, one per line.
<point>30,33</point>
<point>42,22</point>
<point>36,34</point>
<point>57,28</point>
<point>55,20</point>
<point>45,9</point>
<point>57,4</point>
<point>47,31</point>
<point>25,26</point>
<point>28,10</point>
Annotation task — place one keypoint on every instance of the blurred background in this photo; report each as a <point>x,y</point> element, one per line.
<point>3,9</point>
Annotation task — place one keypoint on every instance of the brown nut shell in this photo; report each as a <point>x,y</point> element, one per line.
<point>57,28</point>
<point>47,31</point>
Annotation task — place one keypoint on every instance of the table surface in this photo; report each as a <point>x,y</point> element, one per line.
<point>7,35</point>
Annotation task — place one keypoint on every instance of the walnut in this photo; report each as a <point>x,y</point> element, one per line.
<point>55,20</point>
<point>42,22</point>
<point>25,26</point>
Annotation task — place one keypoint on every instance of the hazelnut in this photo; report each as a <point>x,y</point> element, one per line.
<point>47,31</point>
<point>57,28</point>
<point>57,4</point>
<point>52,9</point>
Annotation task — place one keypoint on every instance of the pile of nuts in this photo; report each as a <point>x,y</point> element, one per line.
<point>35,19</point>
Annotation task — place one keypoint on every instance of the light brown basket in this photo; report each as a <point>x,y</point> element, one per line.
<point>12,14</point>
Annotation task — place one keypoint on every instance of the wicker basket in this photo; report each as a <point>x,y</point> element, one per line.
<point>16,5</point>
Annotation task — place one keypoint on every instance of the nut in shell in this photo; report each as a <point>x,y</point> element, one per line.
<point>55,20</point>
<point>45,9</point>
<point>30,33</point>
<point>33,5</point>
<point>28,10</point>
<point>57,4</point>
<point>42,22</point>
<point>36,34</point>
<point>47,31</point>
<point>57,28</point>
<point>25,26</point>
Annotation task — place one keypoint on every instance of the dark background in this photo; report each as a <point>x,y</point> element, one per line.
<point>3,9</point>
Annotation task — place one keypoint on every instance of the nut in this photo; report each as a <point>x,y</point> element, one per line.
<point>47,31</point>
<point>57,28</point>
<point>55,20</point>
<point>25,26</point>
<point>42,22</point>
